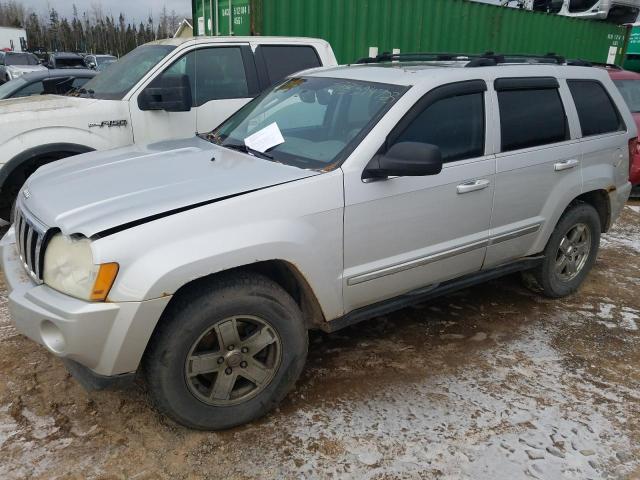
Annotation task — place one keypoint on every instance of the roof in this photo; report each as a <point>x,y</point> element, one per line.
<point>412,73</point>
<point>177,41</point>
<point>65,55</point>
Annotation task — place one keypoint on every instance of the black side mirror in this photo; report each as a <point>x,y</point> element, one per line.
<point>405,159</point>
<point>171,93</point>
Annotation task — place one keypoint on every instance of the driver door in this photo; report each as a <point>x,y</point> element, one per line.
<point>402,234</point>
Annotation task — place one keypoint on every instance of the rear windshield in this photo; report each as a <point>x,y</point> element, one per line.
<point>630,90</point>
<point>70,63</point>
<point>20,59</point>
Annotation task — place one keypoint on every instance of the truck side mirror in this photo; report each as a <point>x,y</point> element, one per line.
<point>171,93</point>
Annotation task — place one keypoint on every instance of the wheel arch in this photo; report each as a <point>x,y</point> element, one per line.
<point>598,199</point>
<point>14,172</point>
<point>283,273</point>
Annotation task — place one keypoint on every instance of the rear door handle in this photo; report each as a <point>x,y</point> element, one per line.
<point>473,186</point>
<point>566,165</point>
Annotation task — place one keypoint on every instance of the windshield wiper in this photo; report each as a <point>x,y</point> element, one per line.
<point>244,149</point>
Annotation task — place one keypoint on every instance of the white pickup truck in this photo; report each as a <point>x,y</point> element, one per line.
<point>163,90</point>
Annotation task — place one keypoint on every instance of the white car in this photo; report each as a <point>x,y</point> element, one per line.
<point>160,91</point>
<point>617,11</point>
<point>15,64</point>
<point>336,196</point>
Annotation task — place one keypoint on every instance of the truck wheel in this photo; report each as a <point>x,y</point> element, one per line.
<point>569,254</point>
<point>226,353</point>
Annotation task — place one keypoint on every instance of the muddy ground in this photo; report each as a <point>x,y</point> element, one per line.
<point>494,382</point>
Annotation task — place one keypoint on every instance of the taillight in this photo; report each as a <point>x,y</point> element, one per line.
<point>634,152</point>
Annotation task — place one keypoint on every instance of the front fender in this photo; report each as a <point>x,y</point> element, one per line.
<point>158,258</point>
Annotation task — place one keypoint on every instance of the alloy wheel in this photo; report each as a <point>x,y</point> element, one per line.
<point>573,252</point>
<point>233,361</point>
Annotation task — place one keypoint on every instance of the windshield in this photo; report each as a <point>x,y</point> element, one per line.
<point>630,90</point>
<point>21,59</point>
<point>9,88</point>
<point>321,119</point>
<point>123,75</point>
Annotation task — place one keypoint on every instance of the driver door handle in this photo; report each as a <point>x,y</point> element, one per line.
<point>473,186</point>
<point>565,165</point>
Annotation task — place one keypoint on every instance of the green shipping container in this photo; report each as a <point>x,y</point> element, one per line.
<point>632,57</point>
<point>353,27</point>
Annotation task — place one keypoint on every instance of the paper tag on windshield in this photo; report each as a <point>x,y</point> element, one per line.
<point>265,139</point>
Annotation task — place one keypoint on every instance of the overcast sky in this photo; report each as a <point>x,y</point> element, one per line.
<point>133,9</point>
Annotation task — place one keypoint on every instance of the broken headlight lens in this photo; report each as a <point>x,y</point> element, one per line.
<point>69,268</point>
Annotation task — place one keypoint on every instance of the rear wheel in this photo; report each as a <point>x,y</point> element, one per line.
<point>226,354</point>
<point>569,254</point>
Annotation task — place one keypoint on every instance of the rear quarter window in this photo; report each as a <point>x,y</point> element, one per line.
<point>596,110</point>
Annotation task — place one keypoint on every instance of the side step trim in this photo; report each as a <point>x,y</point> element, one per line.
<point>428,293</point>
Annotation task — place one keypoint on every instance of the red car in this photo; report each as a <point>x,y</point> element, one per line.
<point>629,85</point>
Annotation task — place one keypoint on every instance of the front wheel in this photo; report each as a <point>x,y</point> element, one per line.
<point>570,252</point>
<point>226,354</point>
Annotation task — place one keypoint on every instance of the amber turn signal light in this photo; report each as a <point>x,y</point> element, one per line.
<point>104,281</point>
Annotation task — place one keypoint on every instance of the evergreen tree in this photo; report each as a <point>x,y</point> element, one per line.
<point>91,32</point>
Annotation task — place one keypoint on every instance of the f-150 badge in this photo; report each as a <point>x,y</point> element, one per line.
<point>109,124</point>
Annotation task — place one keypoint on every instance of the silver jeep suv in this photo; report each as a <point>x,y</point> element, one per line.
<point>335,196</point>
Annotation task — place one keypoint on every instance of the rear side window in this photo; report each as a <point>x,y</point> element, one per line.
<point>283,60</point>
<point>531,117</point>
<point>596,110</point>
<point>454,124</point>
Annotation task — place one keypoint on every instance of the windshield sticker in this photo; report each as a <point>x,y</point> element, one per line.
<point>265,139</point>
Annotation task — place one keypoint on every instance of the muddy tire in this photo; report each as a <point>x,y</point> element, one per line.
<point>569,254</point>
<point>225,353</point>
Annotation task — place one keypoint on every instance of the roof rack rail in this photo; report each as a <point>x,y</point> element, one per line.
<point>492,59</point>
<point>486,59</point>
<point>578,62</point>
<point>417,56</point>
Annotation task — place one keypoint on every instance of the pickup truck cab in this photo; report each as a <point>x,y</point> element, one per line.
<point>335,196</point>
<point>160,91</point>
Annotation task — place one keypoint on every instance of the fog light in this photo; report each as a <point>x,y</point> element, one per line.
<point>52,337</point>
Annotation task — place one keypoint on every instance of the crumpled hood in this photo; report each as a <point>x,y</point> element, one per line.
<point>99,191</point>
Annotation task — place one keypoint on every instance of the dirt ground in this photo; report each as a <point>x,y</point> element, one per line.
<point>494,382</point>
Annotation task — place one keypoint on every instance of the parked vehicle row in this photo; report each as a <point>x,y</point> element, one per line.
<point>337,194</point>
<point>15,64</point>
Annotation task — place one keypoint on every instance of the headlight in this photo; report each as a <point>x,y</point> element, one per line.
<point>69,268</point>
<point>14,73</point>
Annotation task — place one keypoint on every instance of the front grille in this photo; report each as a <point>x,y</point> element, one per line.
<point>30,237</point>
